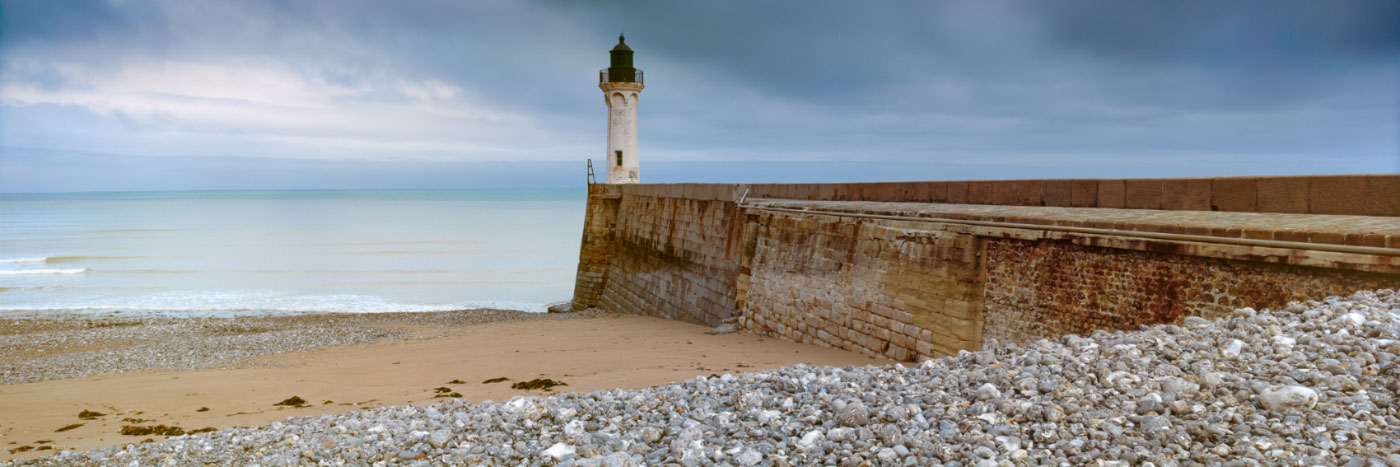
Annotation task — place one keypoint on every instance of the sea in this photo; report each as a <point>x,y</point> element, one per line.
<point>231,253</point>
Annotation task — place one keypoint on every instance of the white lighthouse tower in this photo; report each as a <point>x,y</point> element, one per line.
<point>621,85</point>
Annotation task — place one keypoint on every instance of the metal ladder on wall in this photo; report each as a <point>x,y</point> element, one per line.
<point>591,179</point>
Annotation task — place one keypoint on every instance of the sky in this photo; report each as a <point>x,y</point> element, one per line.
<point>103,95</point>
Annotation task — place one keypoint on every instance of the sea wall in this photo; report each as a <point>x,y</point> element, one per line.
<point>596,249</point>
<point>888,274</point>
<point>670,251</point>
<point>878,287</point>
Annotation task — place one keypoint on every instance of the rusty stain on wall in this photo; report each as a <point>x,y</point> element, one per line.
<point>909,290</point>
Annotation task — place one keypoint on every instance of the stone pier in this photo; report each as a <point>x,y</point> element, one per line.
<point>924,269</point>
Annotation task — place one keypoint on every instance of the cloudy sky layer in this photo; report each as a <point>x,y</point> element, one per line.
<point>193,94</point>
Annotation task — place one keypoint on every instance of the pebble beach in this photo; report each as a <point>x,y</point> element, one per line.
<point>41,349</point>
<point>1312,383</point>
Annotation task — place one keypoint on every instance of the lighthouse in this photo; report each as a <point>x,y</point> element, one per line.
<point>621,85</point>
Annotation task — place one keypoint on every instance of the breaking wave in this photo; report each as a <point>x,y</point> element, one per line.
<point>35,272</point>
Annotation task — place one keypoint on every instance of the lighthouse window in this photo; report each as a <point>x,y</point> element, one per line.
<point>619,158</point>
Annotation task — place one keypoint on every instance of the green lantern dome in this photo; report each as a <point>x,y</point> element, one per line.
<point>621,70</point>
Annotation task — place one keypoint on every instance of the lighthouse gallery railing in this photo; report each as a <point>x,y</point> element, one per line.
<point>603,77</point>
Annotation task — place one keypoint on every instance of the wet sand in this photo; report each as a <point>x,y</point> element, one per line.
<point>592,353</point>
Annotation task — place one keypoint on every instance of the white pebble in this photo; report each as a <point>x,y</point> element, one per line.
<point>988,391</point>
<point>559,450</point>
<point>573,428</point>
<point>1352,319</point>
<point>1233,350</point>
<point>811,438</point>
<point>1286,397</point>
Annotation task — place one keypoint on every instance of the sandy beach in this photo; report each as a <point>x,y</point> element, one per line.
<point>218,373</point>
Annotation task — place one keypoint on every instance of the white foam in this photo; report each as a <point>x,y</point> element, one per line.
<point>24,260</point>
<point>505,305</point>
<point>232,303</point>
<point>31,272</point>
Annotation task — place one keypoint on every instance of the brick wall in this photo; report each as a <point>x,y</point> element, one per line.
<point>1038,289</point>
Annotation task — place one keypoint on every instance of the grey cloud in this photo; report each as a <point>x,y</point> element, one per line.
<point>25,23</point>
<point>1229,34</point>
<point>909,89</point>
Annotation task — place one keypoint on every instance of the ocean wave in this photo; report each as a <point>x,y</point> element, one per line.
<point>74,259</point>
<point>121,231</point>
<point>239,303</point>
<point>453,242</point>
<point>411,252</point>
<point>151,271</point>
<point>29,272</point>
<point>62,259</point>
<point>33,288</point>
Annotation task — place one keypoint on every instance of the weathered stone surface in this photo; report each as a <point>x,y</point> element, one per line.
<point>1084,193</point>
<point>957,192</point>
<point>1282,194</point>
<point>1056,193</point>
<point>938,192</point>
<point>863,285</point>
<point>1336,195</point>
<point>1384,195</point>
<point>906,290</point>
<point>1233,194</point>
<point>1370,195</point>
<point>1111,194</point>
<point>674,258</point>
<point>1049,289</point>
<point>1186,194</point>
<point>1016,192</point>
<point>980,192</point>
<point>1143,194</point>
<point>595,250</point>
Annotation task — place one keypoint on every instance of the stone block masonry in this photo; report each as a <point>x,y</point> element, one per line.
<point>872,287</point>
<point>894,269</point>
<point>671,251</point>
<point>596,249</point>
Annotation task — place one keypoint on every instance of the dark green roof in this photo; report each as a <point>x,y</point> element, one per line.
<point>622,44</point>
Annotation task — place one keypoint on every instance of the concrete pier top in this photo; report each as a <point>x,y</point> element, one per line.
<point>1361,195</point>
<point>1329,229</point>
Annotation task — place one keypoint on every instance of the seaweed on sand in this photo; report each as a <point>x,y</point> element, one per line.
<point>538,383</point>
<point>158,430</point>
<point>445,392</point>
